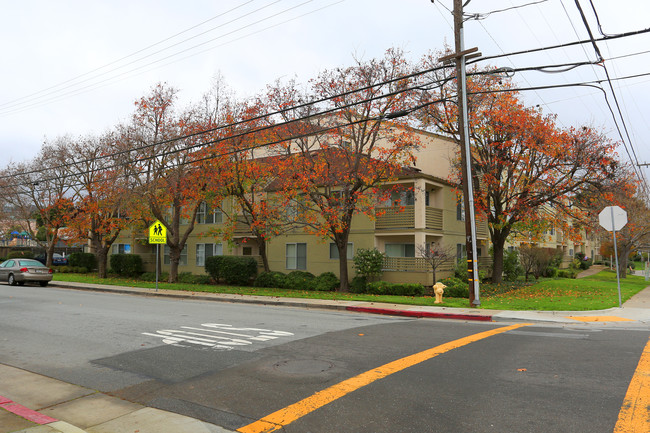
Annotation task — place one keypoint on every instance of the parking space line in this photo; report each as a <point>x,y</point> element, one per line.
<point>277,420</point>
<point>634,416</point>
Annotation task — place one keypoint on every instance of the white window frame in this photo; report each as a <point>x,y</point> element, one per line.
<point>121,248</point>
<point>334,251</point>
<point>403,246</point>
<point>183,259</point>
<point>206,215</point>
<point>205,250</point>
<point>293,258</point>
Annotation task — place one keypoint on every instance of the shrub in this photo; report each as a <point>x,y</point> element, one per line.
<point>270,279</point>
<point>551,272</point>
<point>358,284</point>
<point>326,282</point>
<point>233,269</point>
<point>368,262</point>
<point>128,265</point>
<point>189,278</point>
<point>86,260</point>
<point>213,267</point>
<point>511,267</point>
<point>299,280</point>
<point>456,288</point>
<point>20,254</point>
<point>386,288</point>
<point>151,276</point>
<point>567,273</point>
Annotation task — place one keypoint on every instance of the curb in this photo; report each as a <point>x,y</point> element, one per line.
<point>421,314</point>
<point>37,417</point>
<point>242,299</point>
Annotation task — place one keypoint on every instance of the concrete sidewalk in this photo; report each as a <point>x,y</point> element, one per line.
<point>31,403</point>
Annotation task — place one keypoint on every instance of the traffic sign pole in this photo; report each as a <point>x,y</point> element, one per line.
<point>157,256</point>
<point>618,273</point>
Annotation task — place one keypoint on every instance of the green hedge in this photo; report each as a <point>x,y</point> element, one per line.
<point>270,279</point>
<point>326,282</point>
<point>232,269</point>
<point>84,260</point>
<point>456,288</point>
<point>299,280</point>
<point>386,288</point>
<point>127,265</point>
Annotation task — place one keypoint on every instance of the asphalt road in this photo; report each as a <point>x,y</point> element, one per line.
<point>234,364</point>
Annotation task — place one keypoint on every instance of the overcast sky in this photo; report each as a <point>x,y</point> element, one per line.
<point>76,67</point>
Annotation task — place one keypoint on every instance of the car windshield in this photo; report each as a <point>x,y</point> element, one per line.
<point>30,263</point>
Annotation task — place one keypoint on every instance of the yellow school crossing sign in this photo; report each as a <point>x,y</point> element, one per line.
<point>157,233</point>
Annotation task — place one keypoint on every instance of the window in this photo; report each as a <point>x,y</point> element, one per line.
<point>296,256</point>
<point>183,258</point>
<point>334,252</point>
<point>460,210</point>
<point>205,215</point>
<point>403,198</point>
<point>121,248</point>
<point>427,198</point>
<point>461,251</point>
<point>204,251</point>
<point>400,250</point>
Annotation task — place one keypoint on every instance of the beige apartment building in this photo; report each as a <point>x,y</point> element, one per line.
<point>429,212</point>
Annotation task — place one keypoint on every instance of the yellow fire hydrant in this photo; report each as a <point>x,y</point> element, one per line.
<point>438,289</point>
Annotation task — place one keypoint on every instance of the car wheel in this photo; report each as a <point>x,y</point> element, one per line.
<point>43,283</point>
<point>11,280</point>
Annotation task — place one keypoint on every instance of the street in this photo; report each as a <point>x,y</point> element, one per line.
<point>323,371</point>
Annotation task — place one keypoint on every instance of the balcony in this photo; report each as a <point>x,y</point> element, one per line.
<point>242,229</point>
<point>434,218</point>
<point>392,218</point>
<point>419,264</point>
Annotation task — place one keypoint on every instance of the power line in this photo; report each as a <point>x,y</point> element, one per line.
<point>16,107</point>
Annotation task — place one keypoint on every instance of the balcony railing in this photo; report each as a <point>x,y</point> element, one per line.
<point>242,229</point>
<point>434,218</point>
<point>392,218</point>
<point>419,264</point>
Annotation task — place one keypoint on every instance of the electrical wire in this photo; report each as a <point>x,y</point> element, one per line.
<point>20,106</point>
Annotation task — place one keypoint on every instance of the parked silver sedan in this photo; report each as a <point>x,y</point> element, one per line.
<point>21,271</point>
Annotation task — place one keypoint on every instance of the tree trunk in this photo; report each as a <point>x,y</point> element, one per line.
<point>261,246</point>
<point>623,254</point>
<point>342,247</point>
<point>101,254</point>
<point>174,260</point>
<point>498,247</point>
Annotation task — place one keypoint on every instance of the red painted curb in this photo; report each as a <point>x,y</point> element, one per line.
<point>28,414</point>
<point>420,314</point>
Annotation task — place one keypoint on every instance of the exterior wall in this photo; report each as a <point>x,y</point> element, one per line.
<point>420,224</point>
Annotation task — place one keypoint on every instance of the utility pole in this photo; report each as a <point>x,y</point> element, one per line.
<point>460,56</point>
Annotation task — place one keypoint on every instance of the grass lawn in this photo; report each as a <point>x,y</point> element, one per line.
<point>591,293</point>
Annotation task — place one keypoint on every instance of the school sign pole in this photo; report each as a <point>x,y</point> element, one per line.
<point>614,218</point>
<point>157,236</point>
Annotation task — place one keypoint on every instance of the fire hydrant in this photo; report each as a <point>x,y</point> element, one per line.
<point>438,289</point>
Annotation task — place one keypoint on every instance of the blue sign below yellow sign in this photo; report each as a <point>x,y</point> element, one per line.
<point>157,233</point>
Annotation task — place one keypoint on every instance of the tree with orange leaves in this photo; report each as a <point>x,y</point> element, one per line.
<point>100,195</point>
<point>524,163</point>
<point>162,163</point>
<point>341,150</point>
<point>246,175</point>
<point>38,193</point>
